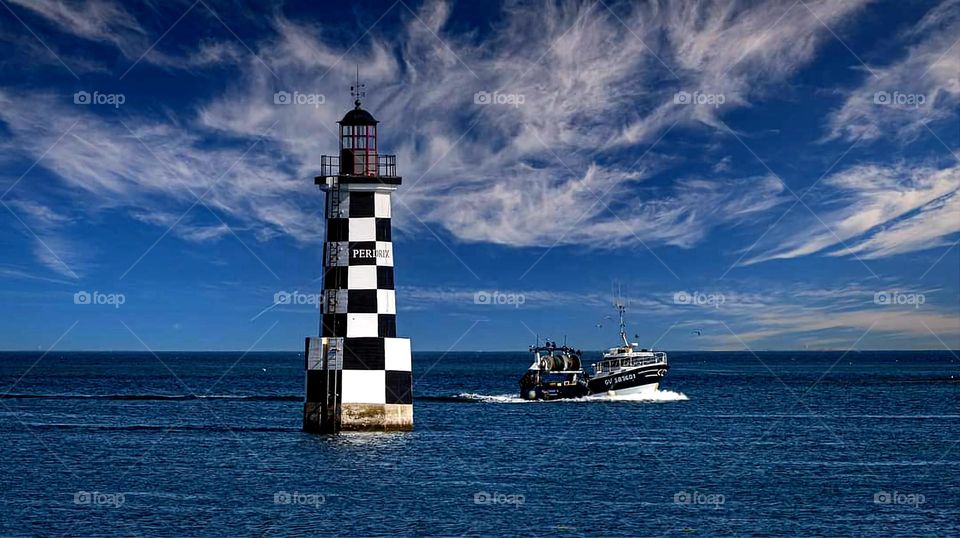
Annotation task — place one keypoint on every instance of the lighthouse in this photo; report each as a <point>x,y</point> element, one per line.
<point>358,373</point>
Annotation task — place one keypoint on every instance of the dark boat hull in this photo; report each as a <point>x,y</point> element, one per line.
<point>552,391</point>
<point>639,379</point>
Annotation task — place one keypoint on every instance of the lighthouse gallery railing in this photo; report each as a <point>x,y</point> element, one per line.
<point>377,165</point>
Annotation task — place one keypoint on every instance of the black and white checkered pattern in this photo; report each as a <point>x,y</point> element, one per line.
<point>359,314</point>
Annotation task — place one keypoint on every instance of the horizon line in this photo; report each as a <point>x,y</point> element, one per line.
<point>147,351</point>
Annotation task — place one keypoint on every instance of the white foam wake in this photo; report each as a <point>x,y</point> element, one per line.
<point>651,396</point>
<point>488,398</point>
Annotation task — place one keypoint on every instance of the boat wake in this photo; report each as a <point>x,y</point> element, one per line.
<point>471,397</point>
<point>656,396</point>
<point>156,397</point>
<point>465,397</point>
<point>174,428</point>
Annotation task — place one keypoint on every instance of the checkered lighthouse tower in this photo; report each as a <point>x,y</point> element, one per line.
<point>358,373</point>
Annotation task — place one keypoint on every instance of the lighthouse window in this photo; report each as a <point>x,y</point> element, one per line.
<point>359,143</point>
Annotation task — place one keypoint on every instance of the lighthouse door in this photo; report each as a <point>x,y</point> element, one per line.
<point>346,161</point>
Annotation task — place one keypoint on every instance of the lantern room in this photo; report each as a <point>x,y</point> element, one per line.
<point>359,160</point>
<point>358,143</point>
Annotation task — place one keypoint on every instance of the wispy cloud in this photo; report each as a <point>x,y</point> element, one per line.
<point>39,214</point>
<point>598,85</point>
<point>51,244</point>
<point>9,272</point>
<point>111,23</point>
<point>159,165</point>
<point>827,317</point>
<point>182,227</point>
<point>417,297</point>
<point>760,316</point>
<point>898,99</point>
<point>736,49</point>
<point>594,83</point>
<point>504,182</point>
<point>96,20</point>
<point>879,211</point>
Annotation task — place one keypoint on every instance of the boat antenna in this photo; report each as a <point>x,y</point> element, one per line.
<point>359,91</point>
<point>621,307</point>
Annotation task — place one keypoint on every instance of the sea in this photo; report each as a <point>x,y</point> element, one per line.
<point>735,444</point>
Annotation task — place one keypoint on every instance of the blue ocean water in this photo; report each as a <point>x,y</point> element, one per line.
<point>183,444</point>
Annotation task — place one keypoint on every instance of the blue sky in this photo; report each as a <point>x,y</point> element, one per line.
<point>775,175</point>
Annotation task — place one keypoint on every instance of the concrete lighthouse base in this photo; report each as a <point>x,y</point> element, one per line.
<point>358,418</point>
<point>376,417</point>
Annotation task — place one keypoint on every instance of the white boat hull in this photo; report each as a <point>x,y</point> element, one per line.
<point>638,391</point>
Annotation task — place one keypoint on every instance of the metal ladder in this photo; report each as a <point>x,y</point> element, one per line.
<point>333,255</point>
<point>332,364</point>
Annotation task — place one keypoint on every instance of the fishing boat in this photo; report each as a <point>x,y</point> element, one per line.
<point>556,373</point>
<point>625,370</point>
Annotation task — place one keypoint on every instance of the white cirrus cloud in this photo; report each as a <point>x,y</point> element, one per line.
<point>841,316</point>
<point>878,211</point>
<point>896,100</point>
<point>137,163</point>
<point>51,243</point>
<point>597,86</point>
<point>109,22</point>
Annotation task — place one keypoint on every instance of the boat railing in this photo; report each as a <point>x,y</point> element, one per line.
<point>630,362</point>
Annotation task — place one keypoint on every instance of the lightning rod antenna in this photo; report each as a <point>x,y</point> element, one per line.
<point>358,91</point>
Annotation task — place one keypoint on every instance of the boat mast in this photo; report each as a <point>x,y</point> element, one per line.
<point>623,326</point>
<point>621,308</point>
